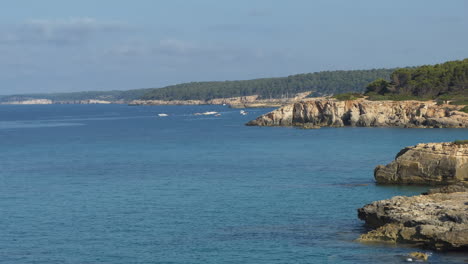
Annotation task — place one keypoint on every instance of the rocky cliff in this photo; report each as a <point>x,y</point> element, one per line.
<point>428,163</point>
<point>438,220</point>
<point>322,112</point>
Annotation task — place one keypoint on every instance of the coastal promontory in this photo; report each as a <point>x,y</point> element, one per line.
<point>330,112</point>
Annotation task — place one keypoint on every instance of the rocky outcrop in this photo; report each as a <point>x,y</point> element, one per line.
<point>234,100</point>
<point>438,220</point>
<point>428,163</point>
<point>333,113</point>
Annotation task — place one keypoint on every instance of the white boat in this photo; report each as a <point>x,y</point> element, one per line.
<point>162,114</point>
<point>206,113</point>
<point>242,112</point>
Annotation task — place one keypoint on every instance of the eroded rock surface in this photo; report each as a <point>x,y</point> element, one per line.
<point>438,220</point>
<point>428,163</point>
<point>331,112</point>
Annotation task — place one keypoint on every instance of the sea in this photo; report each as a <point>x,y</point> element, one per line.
<point>119,184</point>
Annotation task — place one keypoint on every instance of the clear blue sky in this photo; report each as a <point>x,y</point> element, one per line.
<point>61,46</point>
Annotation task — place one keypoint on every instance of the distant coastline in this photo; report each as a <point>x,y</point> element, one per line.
<point>252,101</point>
<point>48,102</point>
<point>271,91</point>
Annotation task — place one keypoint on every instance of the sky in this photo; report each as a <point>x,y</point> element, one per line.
<point>65,45</point>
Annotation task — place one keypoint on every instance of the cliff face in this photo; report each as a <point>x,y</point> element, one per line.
<point>323,112</point>
<point>438,220</point>
<point>431,163</point>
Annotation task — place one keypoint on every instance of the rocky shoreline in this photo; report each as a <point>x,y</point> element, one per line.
<point>329,112</point>
<point>428,163</point>
<point>437,220</point>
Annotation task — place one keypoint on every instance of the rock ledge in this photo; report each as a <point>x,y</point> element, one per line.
<point>428,163</point>
<point>437,221</point>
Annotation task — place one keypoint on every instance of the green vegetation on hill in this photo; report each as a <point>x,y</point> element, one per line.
<point>446,81</point>
<point>321,83</point>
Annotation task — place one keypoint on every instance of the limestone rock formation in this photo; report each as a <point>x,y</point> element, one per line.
<point>331,112</point>
<point>438,220</point>
<point>428,163</point>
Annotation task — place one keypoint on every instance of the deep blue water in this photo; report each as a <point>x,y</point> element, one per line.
<point>116,184</point>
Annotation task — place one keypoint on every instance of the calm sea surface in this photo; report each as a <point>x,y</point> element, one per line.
<point>117,184</point>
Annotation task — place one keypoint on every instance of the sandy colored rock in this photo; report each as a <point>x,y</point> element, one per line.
<point>419,255</point>
<point>428,163</point>
<point>438,221</point>
<point>329,112</point>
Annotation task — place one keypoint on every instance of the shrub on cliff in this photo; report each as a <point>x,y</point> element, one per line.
<point>348,96</point>
<point>393,97</point>
<point>461,142</point>
<point>379,86</point>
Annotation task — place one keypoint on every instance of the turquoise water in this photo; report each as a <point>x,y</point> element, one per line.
<point>116,184</point>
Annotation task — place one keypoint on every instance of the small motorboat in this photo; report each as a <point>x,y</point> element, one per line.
<point>210,113</point>
<point>206,113</point>
<point>162,115</point>
<point>242,112</point>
